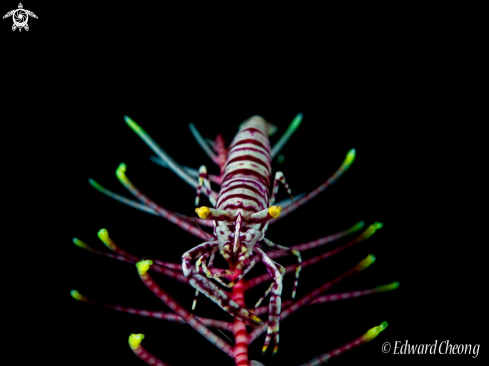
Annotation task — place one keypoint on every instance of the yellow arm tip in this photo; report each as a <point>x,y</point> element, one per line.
<point>366,262</point>
<point>374,332</point>
<point>143,266</point>
<point>372,229</point>
<point>103,235</point>
<point>275,211</point>
<point>121,172</point>
<point>203,212</point>
<point>135,340</point>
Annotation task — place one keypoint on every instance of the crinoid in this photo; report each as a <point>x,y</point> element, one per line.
<point>236,238</point>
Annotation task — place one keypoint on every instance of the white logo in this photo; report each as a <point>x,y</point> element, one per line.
<point>20,17</point>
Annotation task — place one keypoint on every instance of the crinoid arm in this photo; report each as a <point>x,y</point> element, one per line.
<point>350,157</point>
<point>288,201</point>
<point>142,207</point>
<point>142,268</point>
<point>283,140</point>
<point>367,337</point>
<point>191,171</point>
<point>203,143</point>
<point>160,152</point>
<point>352,294</point>
<point>170,216</point>
<point>307,299</point>
<point>143,354</point>
<point>316,259</point>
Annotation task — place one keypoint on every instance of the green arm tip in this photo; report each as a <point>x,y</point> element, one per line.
<point>358,225</point>
<point>297,120</point>
<point>134,126</point>
<point>390,287</point>
<point>77,296</point>
<point>350,157</point>
<point>94,184</point>
<point>80,244</point>
<point>128,120</point>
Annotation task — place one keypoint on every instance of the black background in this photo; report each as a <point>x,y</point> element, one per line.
<point>403,99</point>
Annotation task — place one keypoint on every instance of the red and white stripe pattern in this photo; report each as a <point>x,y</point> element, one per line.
<point>246,179</point>
<point>245,191</point>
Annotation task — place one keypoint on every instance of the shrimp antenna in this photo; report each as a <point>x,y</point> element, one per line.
<point>208,236</point>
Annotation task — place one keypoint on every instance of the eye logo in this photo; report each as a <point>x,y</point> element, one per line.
<point>20,17</point>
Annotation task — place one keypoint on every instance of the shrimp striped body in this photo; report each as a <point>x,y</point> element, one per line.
<point>248,168</point>
<point>241,214</point>
<point>244,188</point>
